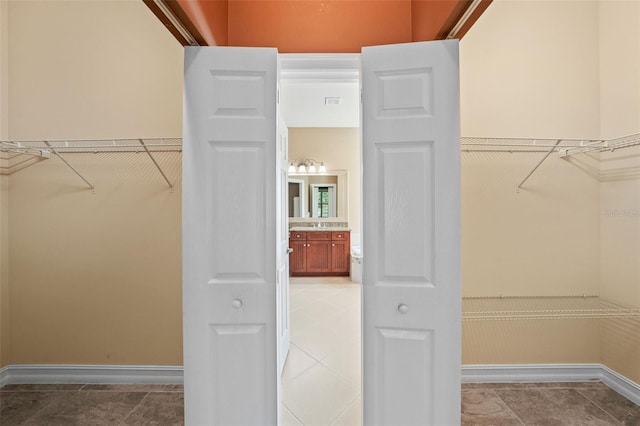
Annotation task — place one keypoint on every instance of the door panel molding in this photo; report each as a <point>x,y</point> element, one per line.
<point>229,236</point>
<point>411,218</point>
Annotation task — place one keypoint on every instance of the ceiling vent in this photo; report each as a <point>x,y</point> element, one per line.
<point>335,100</point>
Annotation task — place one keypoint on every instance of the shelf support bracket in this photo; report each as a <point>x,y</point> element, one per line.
<point>538,165</point>
<point>93,189</point>
<point>156,164</point>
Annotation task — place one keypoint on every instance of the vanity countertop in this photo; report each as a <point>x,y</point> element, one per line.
<point>314,229</point>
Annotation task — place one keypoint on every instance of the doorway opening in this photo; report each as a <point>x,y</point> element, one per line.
<point>321,380</point>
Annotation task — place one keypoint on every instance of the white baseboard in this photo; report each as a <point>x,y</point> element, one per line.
<point>512,373</point>
<point>620,384</point>
<point>102,374</point>
<point>4,376</point>
<point>163,374</point>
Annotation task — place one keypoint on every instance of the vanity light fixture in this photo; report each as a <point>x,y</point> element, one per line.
<point>307,165</point>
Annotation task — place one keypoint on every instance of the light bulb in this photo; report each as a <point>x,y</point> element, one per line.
<point>292,168</point>
<point>312,168</point>
<point>322,169</point>
<point>302,168</point>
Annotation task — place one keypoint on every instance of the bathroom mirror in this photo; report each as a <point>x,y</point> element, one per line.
<point>316,196</point>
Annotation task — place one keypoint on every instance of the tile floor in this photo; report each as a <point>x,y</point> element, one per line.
<point>321,379</point>
<point>91,405</point>
<point>321,383</point>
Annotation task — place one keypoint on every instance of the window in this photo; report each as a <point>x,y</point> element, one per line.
<point>323,201</point>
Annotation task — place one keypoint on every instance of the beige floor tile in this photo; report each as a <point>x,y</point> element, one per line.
<point>352,416</point>
<point>348,298</point>
<point>346,362</point>
<point>297,362</point>
<point>299,300</point>
<point>326,291</point>
<point>321,310</point>
<point>320,280</point>
<point>299,322</point>
<point>325,325</point>
<point>286,418</point>
<point>318,396</point>
<point>320,339</point>
<point>347,322</point>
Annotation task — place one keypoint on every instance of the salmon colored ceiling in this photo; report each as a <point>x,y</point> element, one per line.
<point>318,26</point>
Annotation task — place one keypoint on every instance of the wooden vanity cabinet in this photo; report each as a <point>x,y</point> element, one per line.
<point>319,253</point>
<point>340,252</point>
<point>298,257</point>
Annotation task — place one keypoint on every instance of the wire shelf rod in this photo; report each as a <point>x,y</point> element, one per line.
<point>537,165</point>
<point>517,145</point>
<point>23,148</point>
<point>93,189</point>
<point>157,165</point>
<point>112,140</point>
<point>551,317</point>
<point>557,296</point>
<point>132,150</point>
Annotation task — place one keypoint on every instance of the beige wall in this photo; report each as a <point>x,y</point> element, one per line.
<point>619,25</point>
<point>4,270</point>
<point>620,181</point>
<point>339,148</point>
<point>574,72</point>
<point>95,278</point>
<point>4,189</point>
<point>92,69</point>
<point>620,256</point>
<point>530,69</point>
<point>541,241</point>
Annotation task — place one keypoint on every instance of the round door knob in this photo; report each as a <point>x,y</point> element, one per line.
<point>402,308</point>
<point>237,304</point>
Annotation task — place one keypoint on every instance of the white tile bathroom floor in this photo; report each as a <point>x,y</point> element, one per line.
<point>321,378</point>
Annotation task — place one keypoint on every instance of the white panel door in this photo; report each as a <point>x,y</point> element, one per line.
<point>229,236</point>
<point>282,259</point>
<point>411,213</point>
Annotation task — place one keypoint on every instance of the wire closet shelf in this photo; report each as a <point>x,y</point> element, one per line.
<point>482,308</point>
<point>16,155</point>
<point>565,148</point>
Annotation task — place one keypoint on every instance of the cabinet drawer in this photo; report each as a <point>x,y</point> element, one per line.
<point>319,235</point>
<point>300,236</point>
<point>339,235</point>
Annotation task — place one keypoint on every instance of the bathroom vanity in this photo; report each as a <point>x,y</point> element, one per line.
<point>319,252</point>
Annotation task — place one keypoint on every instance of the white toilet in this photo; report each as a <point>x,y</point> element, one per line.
<point>356,264</point>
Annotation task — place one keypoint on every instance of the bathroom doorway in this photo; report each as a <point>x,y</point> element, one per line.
<point>321,381</point>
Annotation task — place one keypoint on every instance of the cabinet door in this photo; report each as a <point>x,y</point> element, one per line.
<point>318,256</point>
<point>298,257</point>
<point>340,256</point>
